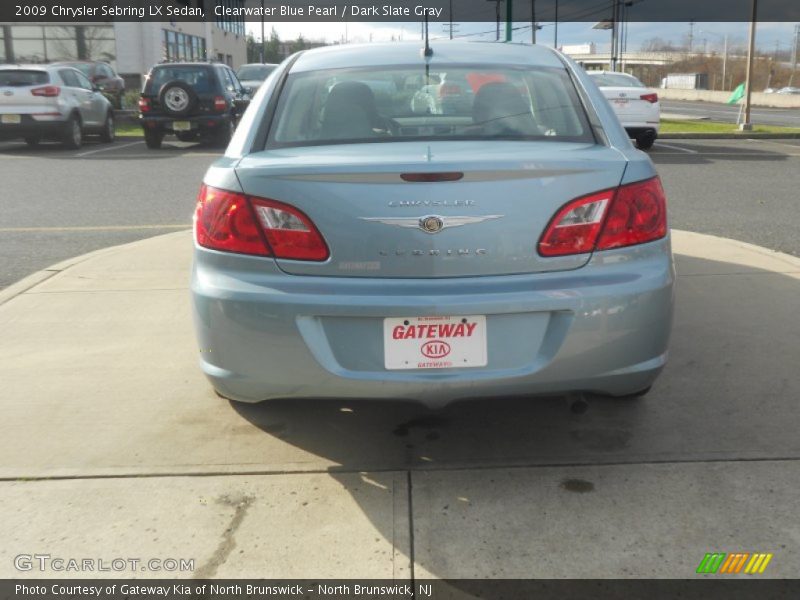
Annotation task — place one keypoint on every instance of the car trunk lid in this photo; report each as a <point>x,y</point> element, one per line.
<point>488,221</point>
<point>16,95</point>
<point>627,102</point>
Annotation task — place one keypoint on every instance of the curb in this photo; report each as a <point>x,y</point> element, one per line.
<point>792,260</point>
<point>38,277</point>
<point>742,135</point>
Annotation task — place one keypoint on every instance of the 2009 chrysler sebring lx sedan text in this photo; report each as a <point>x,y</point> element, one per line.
<point>475,222</point>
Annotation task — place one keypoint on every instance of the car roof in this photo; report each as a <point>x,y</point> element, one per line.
<point>611,73</point>
<point>444,53</point>
<point>198,63</point>
<point>258,65</point>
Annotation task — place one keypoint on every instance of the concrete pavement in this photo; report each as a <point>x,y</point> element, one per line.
<point>114,445</point>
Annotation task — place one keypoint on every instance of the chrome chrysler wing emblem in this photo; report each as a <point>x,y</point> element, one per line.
<point>431,223</point>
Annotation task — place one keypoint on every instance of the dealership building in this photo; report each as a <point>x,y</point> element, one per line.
<point>131,47</point>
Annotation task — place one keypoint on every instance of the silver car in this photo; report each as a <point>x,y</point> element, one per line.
<point>252,75</point>
<point>348,247</point>
<point>52,102</point>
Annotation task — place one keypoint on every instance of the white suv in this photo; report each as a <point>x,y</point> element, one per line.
<point>52,102</point>
<point>635,105</point>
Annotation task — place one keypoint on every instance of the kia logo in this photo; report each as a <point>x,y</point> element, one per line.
<point>435,349</point>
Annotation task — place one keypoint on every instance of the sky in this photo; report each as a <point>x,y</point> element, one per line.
<point>767,33</point>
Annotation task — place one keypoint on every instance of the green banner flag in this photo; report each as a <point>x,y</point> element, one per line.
<point>737,94</point>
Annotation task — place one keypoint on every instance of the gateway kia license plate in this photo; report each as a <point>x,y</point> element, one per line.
<point>10,119</point>
<point>434,342</point>
<point>181,126</point>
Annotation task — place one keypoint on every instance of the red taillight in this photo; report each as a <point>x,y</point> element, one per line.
<point>48,91</point>
<point>220,104</point>
<point>233,222</point>
<point>632,214</point>
<point>638,214</point>
<point>651,98</point>
<point>144,104</point>
<point>575,227</point>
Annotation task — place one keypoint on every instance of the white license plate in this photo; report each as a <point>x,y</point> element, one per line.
<point>434,342</point>
<point>181,126</point>
<point>621,102</point>
<point>11,119</point>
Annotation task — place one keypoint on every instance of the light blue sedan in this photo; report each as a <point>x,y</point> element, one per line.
<point>352,245</point>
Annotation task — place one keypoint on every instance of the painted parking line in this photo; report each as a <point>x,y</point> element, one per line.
<point>107,149</point>
<point>92,228</point>
<point>687,150</point>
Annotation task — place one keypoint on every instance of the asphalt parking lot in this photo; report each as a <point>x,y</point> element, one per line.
<point>113,440</point>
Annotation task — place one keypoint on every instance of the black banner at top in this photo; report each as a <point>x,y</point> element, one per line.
<point>44,11</point>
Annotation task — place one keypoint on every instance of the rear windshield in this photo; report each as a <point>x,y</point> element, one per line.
<point>616,80</point>
<point>199,77</point>
<point>410,103</point>
<point>19,78</point>
<point>254,73</point>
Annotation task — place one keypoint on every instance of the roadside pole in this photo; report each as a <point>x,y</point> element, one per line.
<point>747,125</point>
<point>509,19</point>
<point>263,43</point>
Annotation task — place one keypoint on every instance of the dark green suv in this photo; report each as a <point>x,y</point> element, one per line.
<point>192,101</point>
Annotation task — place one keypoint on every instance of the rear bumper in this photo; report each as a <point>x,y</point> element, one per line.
<point>635,131</point>
<point>53,127</point>
<point>603,328</point>
<point>199,124</point>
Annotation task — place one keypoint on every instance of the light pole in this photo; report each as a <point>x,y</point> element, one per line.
<point>724,55</point>
<point>509,19</point>
<point>748,83</point>
<point>795,50</point>
<point>555,29</point>
<point>263,42</point>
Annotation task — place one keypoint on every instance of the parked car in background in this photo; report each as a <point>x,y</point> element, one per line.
<point>53,102</point>
<point>348,247</point>
<point>789,90</point>
<point>102,75</point>
<point>191,100</point>
<point>252,75</point>
<point>635,105</point>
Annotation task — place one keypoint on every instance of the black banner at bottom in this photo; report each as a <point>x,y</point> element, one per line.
<point>529,589</point>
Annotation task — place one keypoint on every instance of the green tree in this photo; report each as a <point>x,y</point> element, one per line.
<point>253,49</point>
<point>272,49</point>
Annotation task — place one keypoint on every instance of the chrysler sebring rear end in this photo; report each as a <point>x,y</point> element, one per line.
<point>351,246</point>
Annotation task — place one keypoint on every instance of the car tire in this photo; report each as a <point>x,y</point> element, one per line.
<point>645,141</point>
<point>72,138</point>
<point>223,138</point>
<point>32,141</point>
<point>108,134</point>
<point>153,139</point>
<point>177,98</point>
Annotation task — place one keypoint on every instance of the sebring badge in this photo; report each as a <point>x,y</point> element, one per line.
<point>431,223</point>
